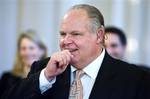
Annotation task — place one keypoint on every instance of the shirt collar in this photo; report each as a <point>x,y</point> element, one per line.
<point>92,68</point>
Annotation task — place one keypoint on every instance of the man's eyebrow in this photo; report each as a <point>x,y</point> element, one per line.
<point>70,32</point>
<point>76,32</point>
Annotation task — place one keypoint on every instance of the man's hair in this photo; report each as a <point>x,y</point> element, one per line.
<point>117,31</point>
<point>93,13</point>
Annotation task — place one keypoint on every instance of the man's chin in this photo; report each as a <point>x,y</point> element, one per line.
<point>73,61</point>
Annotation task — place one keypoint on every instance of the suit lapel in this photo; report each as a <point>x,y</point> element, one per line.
<point>102,86</point>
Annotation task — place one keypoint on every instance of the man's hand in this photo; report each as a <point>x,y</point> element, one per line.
<point>57,64</point>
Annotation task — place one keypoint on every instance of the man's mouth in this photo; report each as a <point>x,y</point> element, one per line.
<point>73,50</point>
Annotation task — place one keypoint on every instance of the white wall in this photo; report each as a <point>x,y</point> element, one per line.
<point>8,34</point>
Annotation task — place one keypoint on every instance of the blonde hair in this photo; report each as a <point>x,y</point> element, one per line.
<point>18,68</point>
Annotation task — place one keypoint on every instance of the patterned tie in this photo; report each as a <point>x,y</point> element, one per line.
<point>76,90</point>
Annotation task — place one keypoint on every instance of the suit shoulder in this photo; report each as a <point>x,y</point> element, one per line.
<point>39,65</point>
<point>129,68</point>
<point>43,61</point>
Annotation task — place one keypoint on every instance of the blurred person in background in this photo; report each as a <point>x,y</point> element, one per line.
<point>115,42</point>
<point>29,49</point>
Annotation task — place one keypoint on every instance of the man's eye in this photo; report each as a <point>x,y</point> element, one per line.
<point>113,45</point>
<point>76,34</point>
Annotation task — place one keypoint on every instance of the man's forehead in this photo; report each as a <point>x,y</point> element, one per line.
<point>112,37</point>
<point>111,34</point>
<point>75,13</point>
<point>74,17</point>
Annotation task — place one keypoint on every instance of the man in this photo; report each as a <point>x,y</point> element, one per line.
<point>82,69</point>
<point>115,42</point>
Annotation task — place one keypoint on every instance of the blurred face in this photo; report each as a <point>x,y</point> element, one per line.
<point>29,51</point>
<point>76,36</point>
<point>114,46</point>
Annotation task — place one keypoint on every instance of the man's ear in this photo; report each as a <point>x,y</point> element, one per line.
<point>100,34</point>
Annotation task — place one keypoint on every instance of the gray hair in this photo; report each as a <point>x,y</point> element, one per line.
<point>93,13</point>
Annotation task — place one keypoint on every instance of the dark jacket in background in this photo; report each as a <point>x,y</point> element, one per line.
<point>7,81</point>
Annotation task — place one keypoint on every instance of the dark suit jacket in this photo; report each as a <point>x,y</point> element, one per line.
<point>116,80</point>
<point>7,81</point>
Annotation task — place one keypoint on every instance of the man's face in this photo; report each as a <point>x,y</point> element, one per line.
<point>77,37</point>
<point>114,46</point>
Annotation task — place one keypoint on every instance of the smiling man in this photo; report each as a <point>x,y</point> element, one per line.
<point>82,69</point>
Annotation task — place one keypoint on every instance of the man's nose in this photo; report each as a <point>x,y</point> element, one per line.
<point>67,39</point>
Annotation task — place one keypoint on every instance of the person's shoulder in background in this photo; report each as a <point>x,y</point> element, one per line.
<point>7,81</point>
<point>145,68</point>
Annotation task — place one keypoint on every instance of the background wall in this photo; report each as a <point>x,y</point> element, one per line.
<point>16,16</point>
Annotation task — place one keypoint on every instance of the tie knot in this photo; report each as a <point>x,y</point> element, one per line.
<point>79,74</point>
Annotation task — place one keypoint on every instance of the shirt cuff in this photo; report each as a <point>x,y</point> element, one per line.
<point>44,84</point>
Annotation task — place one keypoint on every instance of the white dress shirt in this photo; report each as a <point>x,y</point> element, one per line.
<point>88,79</point>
